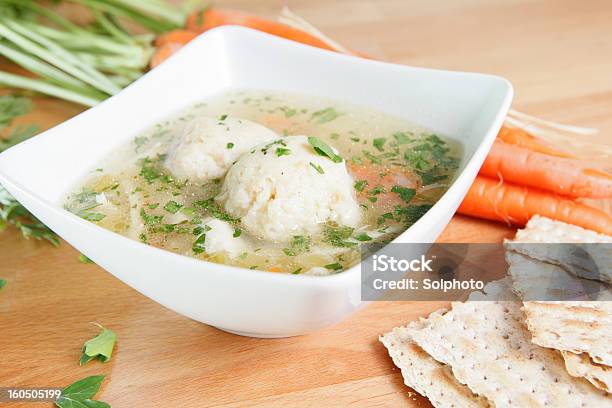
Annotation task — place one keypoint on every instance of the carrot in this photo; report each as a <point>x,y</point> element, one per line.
<point>496,200</point>
<point>175,36</point>
<point>163,53</point>
<point>557,174</point>
<point>521,138</point>
<point>201,21</point>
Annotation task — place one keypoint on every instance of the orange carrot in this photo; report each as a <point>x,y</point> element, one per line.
<point>496,200</point>
<point>163,53</point>
<point>558,174</point>
<point>201,21</point>
<point>175,36</point>
<point>521,138</point>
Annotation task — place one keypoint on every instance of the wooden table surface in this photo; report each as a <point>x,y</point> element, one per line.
<point>558,55</point>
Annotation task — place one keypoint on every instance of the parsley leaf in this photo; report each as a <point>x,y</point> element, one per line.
<point>282,151</point>
<point>173,207</point>
<point>401,138</point>
<point>323,149</point>
<point>324,115</point>
<point>13,213</point>
<point>150,219</point>
<point>79,394</point>
<point>360,185</point>
<point>84,259</point>
<point>230,145</point>
<point>363,237</point>
<point>336,267</point>
<point>11,107</point>
<point>237,233</point>
<point>100,347</point>
<point>2,283</point>
<point>198,245</point>
<point>17,135</point>
<point>405,193</point>
<point>377,190</point>
<point>210,206</point>
<point>378,143</point>
<point>299,244</point>
<point>92,216</point>
<point>318,168</point>
<point>371,157</point>
<point>412,213</point>
<point>338,235</point>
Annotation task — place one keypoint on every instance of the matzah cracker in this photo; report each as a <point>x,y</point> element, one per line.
<point>589,257</point>
<point>490,351</point>
<point>581,365</point>
<point>579,327</point>
<point>495,290</point>
<point>536,280</point>
<point>425,375</point>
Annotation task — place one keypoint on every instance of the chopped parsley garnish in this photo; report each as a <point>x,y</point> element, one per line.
<point>198,245</point>
<point>282,151</point>
<point>363,237</point>
<point>2,283</point>
<point>100,347</point>
<point>299,244</point>
<point>289,112</point>
<point>150,172</point>
<point>377,190</point>
<point>230,145</point>
<point>371,157</point>
<point>384,217</point>
<point>222,117</point>
<point>173,207</point>
<point>216,211</point>
<point>237,232</point>
<point>92,216</point>
<point>265,149</point>
<point>153,206</point>
<point>360,185</point>
<point>318,168</point>
<point>412,213</point>
<point>431,159</point>
<point>324,115</point>
<point>323,149</point>
<point>338,235</point>
<point>150,219</point>
<point>406,194</point>
<point>140,141</point>
<point>378,143</point>
<point>297,271</point>
<point>336,267</point>
<point>401,138</point>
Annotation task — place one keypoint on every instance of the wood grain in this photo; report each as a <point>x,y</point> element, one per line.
<point>557,53</point>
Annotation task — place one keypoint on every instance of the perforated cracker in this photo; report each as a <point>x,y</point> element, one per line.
<point>425,375</point>
<point>582,258</point>
<point>489,350</point>
<point>578,327</point>
<point>534,280</point>
<point>581,365</point>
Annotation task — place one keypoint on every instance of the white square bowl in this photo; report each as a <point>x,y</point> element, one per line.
<point>465,106</point>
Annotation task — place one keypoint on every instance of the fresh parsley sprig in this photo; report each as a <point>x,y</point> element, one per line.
<point>80,394</point>
<point>99,347</point>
